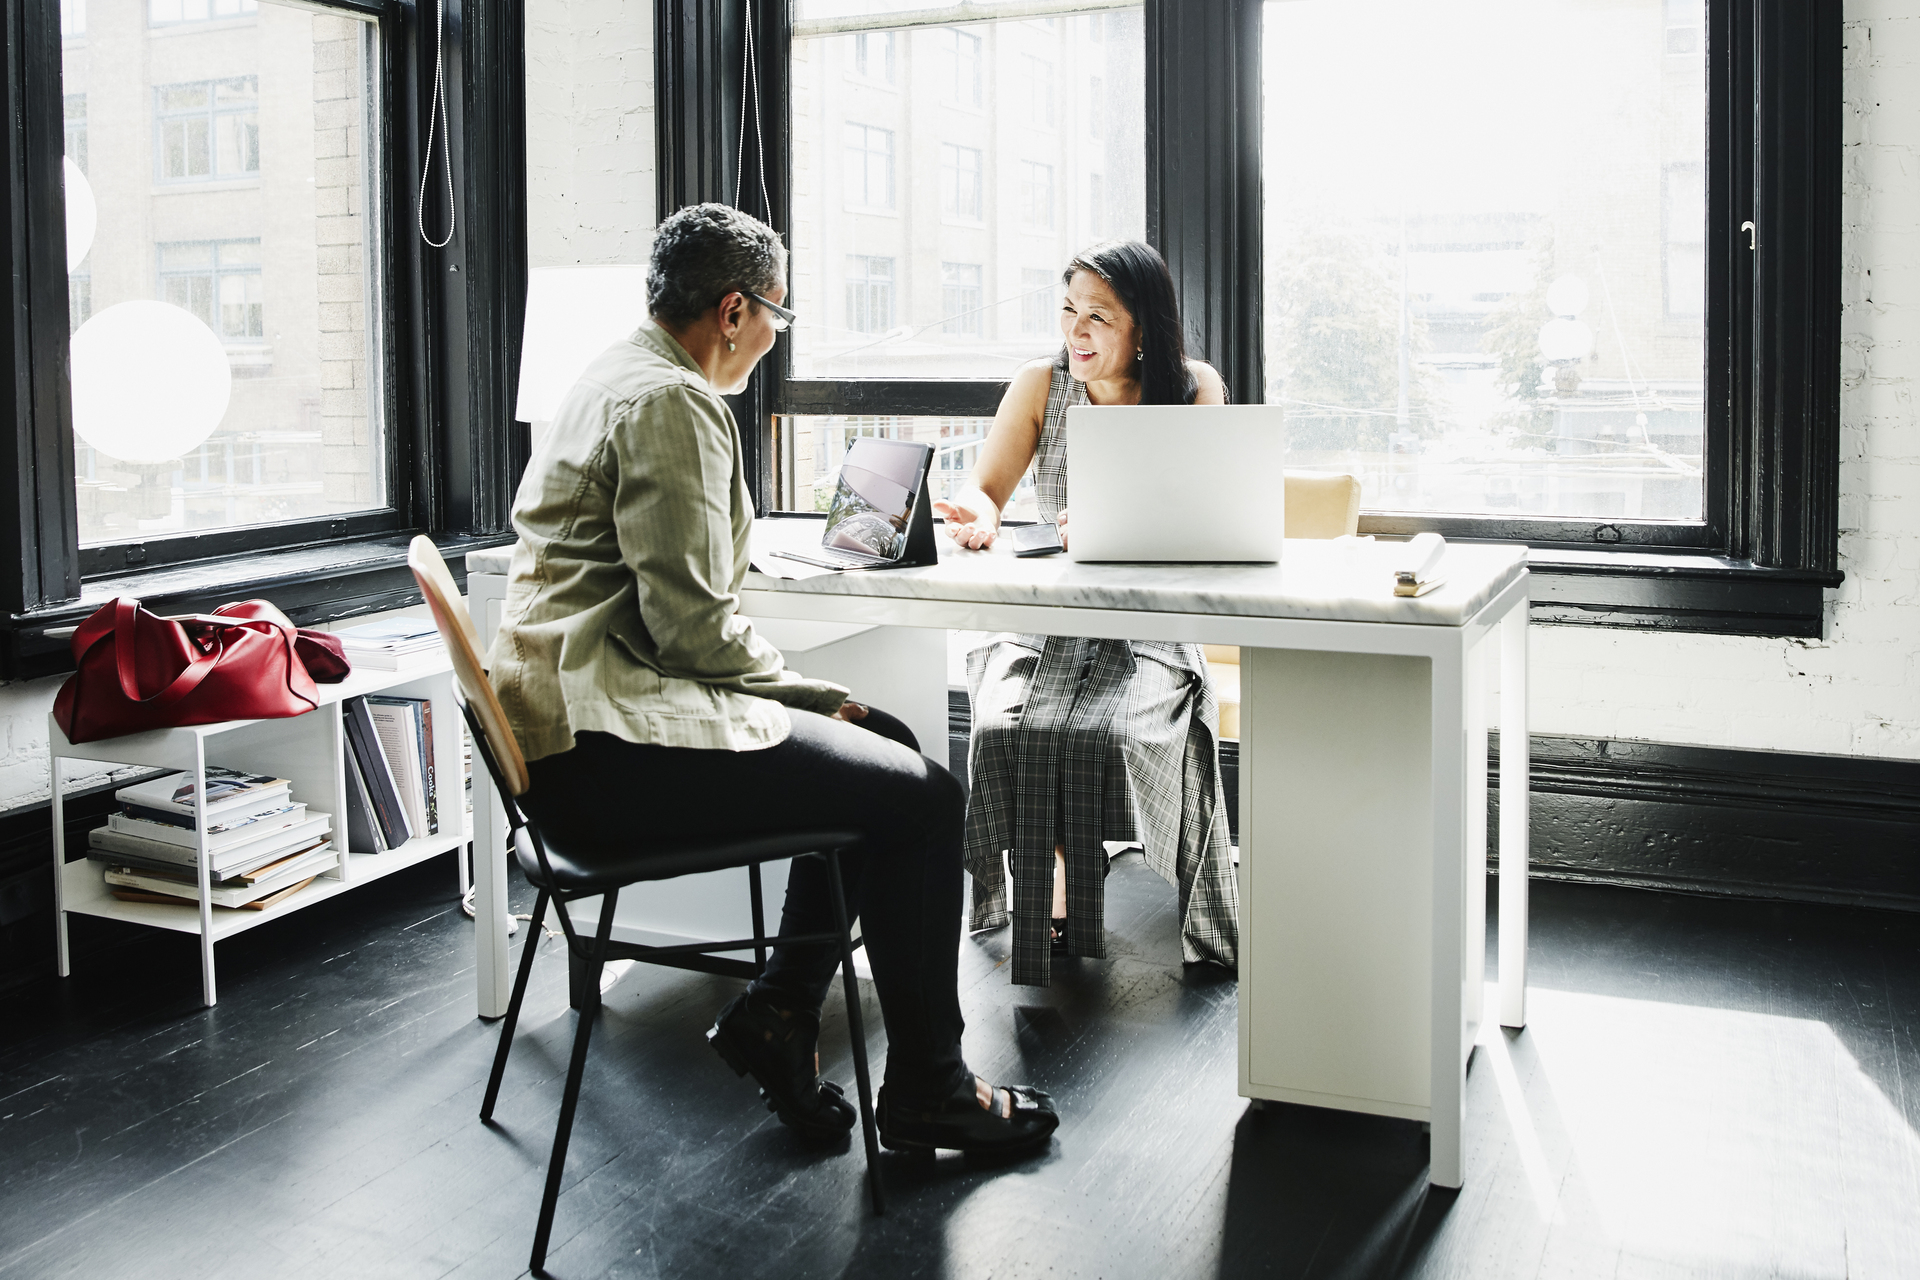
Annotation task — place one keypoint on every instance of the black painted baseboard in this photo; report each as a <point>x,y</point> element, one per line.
<point>1751,824</point>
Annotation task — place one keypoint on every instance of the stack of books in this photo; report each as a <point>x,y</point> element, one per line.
<point>262,846</point>
<point>393,791</point>
<point>392,644</point>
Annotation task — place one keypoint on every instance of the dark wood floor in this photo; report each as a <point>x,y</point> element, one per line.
<point>1706,1089</point>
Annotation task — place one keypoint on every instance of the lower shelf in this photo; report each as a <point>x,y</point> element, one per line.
<point>85,893</point>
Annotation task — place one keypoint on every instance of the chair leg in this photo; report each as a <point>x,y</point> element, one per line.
<point>759,919</point>
<point>856,1031</point>
<point>508,1023</point>
<point>576,1067</point>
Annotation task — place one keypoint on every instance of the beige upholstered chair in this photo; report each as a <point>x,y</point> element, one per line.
<point>1318,506</point>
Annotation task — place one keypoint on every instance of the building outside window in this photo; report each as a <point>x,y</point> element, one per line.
<point>1514,339</point>
<point>1096,204</point>
<point>1036,195</point>
<point>961,53</point>
<point>1037,302</point>
<point>164,120</point>
<point>1038,74</point>
<point>869,166</point>
<point>76,114</point>
<point>164,13</point>
<point>960,298</point>
<point>869,293</point>
<point>208,130</point>
<point>960,174</point>
<point>217,281</point>
<point>73,19</point>
<point>873,55</point>
<point>1686,255</point>
<point>1096,96</point>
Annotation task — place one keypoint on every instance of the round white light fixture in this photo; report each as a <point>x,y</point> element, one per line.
<point>1564,340</point>
<point>1567,296</point>
<point>83,215</point>
<point>150,382</point>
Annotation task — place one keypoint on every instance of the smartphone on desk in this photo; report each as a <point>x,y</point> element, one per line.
<point>1036,539</point>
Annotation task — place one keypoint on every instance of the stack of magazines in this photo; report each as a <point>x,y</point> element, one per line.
<point>262,846</point>
<point>392,644</point>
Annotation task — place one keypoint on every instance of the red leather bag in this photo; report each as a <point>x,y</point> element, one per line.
<point>137,671</point>
<point>325,656</point>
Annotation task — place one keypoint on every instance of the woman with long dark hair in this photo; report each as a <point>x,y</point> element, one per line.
<point>1079,742</point>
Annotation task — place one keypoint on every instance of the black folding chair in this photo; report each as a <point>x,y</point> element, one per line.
<point>564,874</point>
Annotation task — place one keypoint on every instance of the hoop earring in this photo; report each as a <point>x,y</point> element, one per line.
<point>729,346</point>
<point>1139,355</point>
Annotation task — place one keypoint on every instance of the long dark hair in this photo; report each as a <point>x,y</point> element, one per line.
<point>1138,276</point>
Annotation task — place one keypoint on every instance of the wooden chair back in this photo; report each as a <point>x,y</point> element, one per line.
<point>1322,506</point>
<point>463,646</point>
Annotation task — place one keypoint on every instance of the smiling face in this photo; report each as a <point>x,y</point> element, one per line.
<point>1102,339</point>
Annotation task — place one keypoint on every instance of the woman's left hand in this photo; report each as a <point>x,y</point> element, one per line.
<point>1060,522</point>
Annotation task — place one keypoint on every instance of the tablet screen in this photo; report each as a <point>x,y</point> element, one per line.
<point>873,501</point>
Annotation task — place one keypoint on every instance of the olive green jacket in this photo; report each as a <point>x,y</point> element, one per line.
<point>620,615</point>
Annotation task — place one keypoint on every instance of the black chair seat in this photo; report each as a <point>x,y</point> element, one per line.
<point>585,866</point>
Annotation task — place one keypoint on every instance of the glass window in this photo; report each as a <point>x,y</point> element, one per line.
<point>301,431</point>
<point>811,447</point>
<point>161,13</point>
<point>208,130</point>
<point>869,167</point>
<point>1686,22</point>
<point>1038,304</point>
<point>1039,79</point>
<point>76,113</point>
<point>961,74</point>
<point>1036,195</point>
<point>1001,187</point>
<point>1480,258</point>
<point>873,55</point>
<point>73,19</point>
<point>960,297</point>
<point>960,182</point>
<point>869,293</point>
<point>1686,241</point>
<point>1096,94</point>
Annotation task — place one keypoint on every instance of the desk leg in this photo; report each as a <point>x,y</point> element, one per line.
<point>1515,756</point>
<point>1451,1040</point>
<point>493,976</point>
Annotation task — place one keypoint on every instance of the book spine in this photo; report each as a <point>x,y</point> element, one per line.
<point>426,765</point>
<point>145,814</point>
<point>363,831</point>
<point>380,786</point>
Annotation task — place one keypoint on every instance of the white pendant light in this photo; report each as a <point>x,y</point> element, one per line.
<point>150,382</point>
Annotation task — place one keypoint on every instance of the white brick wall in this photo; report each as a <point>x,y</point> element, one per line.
<point>590,177</point>
<point>1856,692</point>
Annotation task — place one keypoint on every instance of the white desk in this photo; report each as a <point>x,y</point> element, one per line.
<point>1362,789</point>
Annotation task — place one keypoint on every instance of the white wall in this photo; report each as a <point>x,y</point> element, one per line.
<point>1856,692</point>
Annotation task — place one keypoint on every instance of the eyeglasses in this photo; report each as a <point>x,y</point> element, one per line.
<point>783,319</point>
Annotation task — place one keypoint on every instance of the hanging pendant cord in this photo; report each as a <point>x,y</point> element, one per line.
<point>750,75</point>
<point>437,107</point>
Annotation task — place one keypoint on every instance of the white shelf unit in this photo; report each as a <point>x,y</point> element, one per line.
<point>309,751</point>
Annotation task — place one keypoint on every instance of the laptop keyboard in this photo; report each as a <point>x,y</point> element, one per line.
<point>827,558</point>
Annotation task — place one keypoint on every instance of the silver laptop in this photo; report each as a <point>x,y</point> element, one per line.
<point>1192,483</point>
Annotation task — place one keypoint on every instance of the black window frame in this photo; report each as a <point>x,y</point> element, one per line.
<point>450,318</point>
<point>1767,551</point>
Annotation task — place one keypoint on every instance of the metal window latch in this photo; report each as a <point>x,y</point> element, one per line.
<point>1752,238</point>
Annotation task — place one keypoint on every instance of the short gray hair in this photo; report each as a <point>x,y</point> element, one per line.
<point>706,251</point>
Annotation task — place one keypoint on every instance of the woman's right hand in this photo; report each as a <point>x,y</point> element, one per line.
<point>972,520</point>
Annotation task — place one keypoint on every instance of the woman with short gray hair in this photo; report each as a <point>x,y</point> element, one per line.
<point>639,695</point>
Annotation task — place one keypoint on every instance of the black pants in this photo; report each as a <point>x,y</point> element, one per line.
<point>904,883</point>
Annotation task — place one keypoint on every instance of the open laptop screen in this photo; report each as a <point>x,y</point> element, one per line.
<point>879,483</point>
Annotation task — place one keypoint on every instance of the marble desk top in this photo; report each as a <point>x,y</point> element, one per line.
<point>1313,580</point>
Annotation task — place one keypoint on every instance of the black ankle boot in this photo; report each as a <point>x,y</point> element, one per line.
<point>780,1048</point>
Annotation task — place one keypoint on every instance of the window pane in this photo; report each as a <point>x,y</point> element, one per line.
<point>265,252</point>
<point>811,448</point>
<point>1485,260</point>
<point>982,153</point>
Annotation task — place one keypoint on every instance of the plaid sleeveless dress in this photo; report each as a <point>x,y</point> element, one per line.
<point>1079,741</point>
